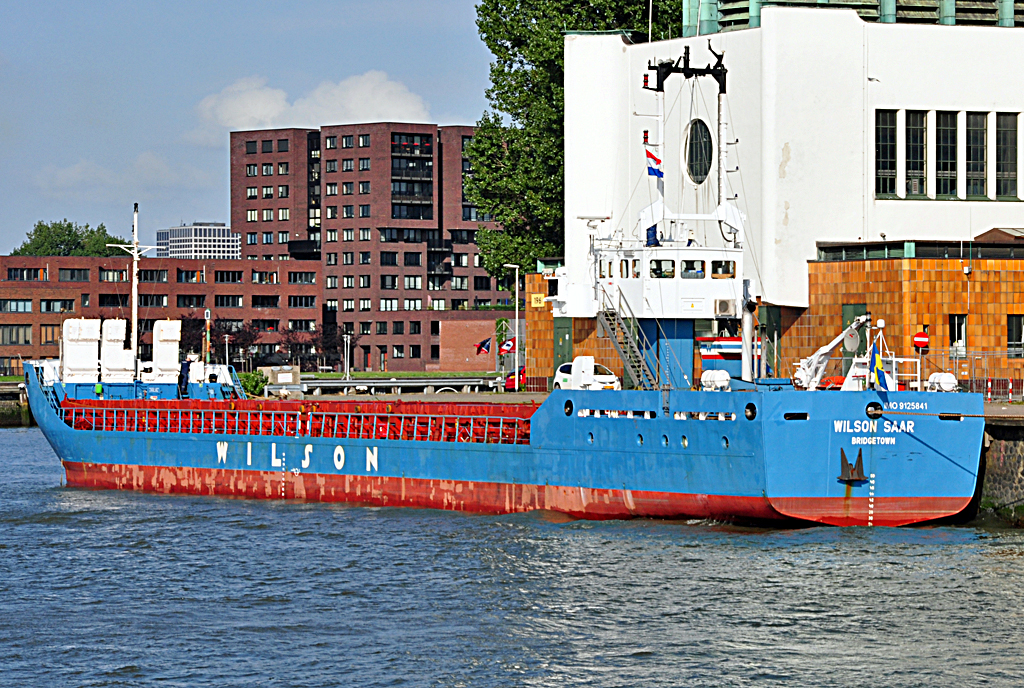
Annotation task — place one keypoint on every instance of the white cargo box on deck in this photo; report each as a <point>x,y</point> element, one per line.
<point>117,364</point>
<point>80,339</point>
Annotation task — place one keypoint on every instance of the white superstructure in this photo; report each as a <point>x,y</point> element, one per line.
<point>804,93</point>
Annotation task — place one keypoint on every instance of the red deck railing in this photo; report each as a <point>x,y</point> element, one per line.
<point>411,421</point>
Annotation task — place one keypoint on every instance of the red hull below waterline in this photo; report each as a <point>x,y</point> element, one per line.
<point>500,498</point>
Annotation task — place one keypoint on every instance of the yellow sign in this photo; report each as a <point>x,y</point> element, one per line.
<point>537,300</point>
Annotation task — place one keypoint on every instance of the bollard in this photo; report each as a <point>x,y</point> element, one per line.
<point>990,390</point>
<point>1009,396</point>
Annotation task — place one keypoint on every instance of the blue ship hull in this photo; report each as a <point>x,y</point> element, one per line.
<point>744,455</point>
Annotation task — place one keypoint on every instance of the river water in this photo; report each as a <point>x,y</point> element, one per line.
<point>122,589</point>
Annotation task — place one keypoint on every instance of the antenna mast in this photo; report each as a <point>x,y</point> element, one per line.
<point>134,250</point>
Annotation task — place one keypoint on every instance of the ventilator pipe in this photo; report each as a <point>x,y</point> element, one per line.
<point>1005,12</point>
<point>747,322</point>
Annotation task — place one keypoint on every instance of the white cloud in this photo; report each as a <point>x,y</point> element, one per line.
<point>148,176</point>
<point>250,104</point>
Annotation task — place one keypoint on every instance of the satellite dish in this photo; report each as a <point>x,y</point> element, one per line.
<point>851,341</point>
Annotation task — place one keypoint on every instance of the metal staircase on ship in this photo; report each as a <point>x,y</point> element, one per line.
<point>623,329</point>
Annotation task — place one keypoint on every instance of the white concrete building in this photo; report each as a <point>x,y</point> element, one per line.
<point>199,241</point>
<point>836,130</point>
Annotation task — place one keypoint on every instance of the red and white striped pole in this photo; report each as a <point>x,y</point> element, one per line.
<point>990,390</point>
<point>1010,396</point>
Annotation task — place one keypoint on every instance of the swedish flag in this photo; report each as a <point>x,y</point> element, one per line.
<point>877,372</point>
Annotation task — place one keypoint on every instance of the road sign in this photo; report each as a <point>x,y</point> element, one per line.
<point>921,340</point>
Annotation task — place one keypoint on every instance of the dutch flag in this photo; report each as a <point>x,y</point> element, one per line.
<point>652,162</point>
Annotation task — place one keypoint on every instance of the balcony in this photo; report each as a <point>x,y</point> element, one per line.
<point>439,268</point>
<point>410,150</point>
<point>411,173</point>
<point>412,198</point>
<point>439,245</point>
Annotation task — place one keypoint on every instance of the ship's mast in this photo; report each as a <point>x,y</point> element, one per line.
<point>135,251</point>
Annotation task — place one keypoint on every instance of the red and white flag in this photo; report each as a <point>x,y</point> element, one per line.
<point>508,346</point>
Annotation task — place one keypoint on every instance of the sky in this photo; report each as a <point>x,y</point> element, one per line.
<point>104,104</point>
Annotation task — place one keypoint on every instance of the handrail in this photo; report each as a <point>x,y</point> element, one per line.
<point>639,369</point>
<point>317,424</point>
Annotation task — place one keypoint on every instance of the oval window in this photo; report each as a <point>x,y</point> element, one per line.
<point>698,151</point>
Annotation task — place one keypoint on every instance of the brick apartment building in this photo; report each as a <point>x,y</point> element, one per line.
<point>379,209</point>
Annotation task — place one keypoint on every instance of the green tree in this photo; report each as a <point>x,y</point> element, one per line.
<point>66,238</point>
<point>517,151</point>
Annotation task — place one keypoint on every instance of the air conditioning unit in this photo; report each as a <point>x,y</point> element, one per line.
<point>725,308</point>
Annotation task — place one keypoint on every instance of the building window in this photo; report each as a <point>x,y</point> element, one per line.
<point>413,259</point>
<point>398,327</point>
<point>263,301</point>
<point>152,275</point>
<point>346,141</point>
<point>364,281</point>
<point>977,125</point>
<point>16,306</point>
<point>80,275</point>
<point>413,282</point>
<point>348,305</point>
<point>885,152</point>
<point>346,188</point>
<point>1006,154</point>
<point>227,276</point>
<point>435,282</point>
<point>435,352</point>
<point>266,326</point>
<point>364,327</point>
<point>1015,336</point>
<point>364,164</point>
<point>113,275</point>
<point>268,237</point>
<point>411,144</point>
<point>364,211</point>
<point>252,215</point>
<point>382,328</point>
<point>414,327</point>
<point>460,283</point>
<point>250,147</point>
<point>227,301</point>
<point>268,147</point>
<point>460,304</point>
<point>364,304</point>
<point>251,192</point>
<point>349,281</point>
<point>482,283</point>
<point>314,217</point>
<point>332,305</point>
<point>389,281</point>
<point>282,191</point>
<point>332,212</point>
<point>348,327</point>
<point>263,277</point>
<point>268,215</point>
<point>268,169</point>
<point>117,300</point>
<point>460,260</point>
<point>347,234</point>
<point>49,334</point>
<point>330,166</point>
<point>364,234</point>
<point>27,275</point>
<point>945,154</point>
<point>301,301</point>
<point>332,258</point>
<point>397,351</point>
<point>347,258</point>
<point>332,282</point>
<point>64,305</point>
<point>268,192</point>
<point>364,187</point>
<point>250,239</point>
<point>185,300</point>
<point>400,211</point>
<point>348,211</point>
<point>85,300</point>
<point>364,140</point>
<point>282,237</point>
<point>15,334</point>
<point>301,278</point>
<point>389,304</point>
<point>331,142</point>
<point>471,214</point>
<point>437,304</point>
<point>251,170</point>
<point>389,257</point>
<point>413,304</point>
<point>282,168</point>
<point>332,236</point>
<point>332,189</point>
<point>958,335</point>
<point>414,351</point>
<point>364,257</point>
<point>282,145</point>
<point>917,152</point>
<point>347,165</point>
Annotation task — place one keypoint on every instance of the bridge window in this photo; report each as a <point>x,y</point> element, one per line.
<point>636,268</point>
<point>691,269</point>
<point>723,269</point>
<point>663,268</point>
<point>624,269</point>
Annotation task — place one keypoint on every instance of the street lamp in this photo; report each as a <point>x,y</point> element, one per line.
<point>516,373</point>
<point>227,361</point>
<point>347,337</point>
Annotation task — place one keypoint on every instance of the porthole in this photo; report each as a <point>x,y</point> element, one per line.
<point>568,407</point>
<point>874,410</point>
<point>664,440</point>
<point>699,151</point>
<point>725,442</point>
<point>639,440</point>
<point>685,442</point>
<point>590,438</point>
<point>750,412</point>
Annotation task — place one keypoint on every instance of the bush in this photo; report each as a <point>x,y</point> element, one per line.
<point>253,383</point>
